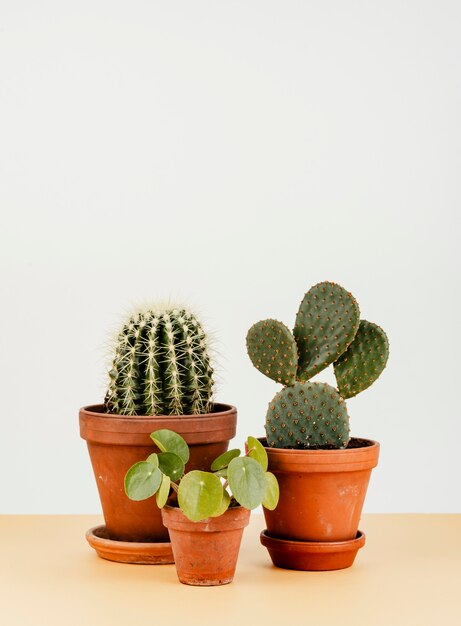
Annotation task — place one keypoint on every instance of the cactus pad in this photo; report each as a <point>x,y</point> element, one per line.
<point>326,323</point>
<point>307,415</point>
<point>272,350</point>
<point>363,361</point>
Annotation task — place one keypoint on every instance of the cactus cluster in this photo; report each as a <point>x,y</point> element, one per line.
<point>161,365</point>
<point>328,330</point>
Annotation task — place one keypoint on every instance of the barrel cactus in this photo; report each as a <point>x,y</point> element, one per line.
<point>328,330</point>
<point>161,365</point>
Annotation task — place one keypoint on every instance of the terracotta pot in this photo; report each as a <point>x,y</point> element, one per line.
<point>321,492</point>
<point>206,552</point>
<point>116,442</point>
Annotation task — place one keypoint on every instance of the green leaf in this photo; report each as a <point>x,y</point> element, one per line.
<point>271,495</point>
<point>153,458</point>
<point>221,473</point>
<point>224,459</point>
<point>169,441</point>
<point>142,480</point>
<point>257,452</point>
<point>163,492</point>
<point>171,465</point>
<point>224,504</point>
<point>247,481</point>
<point>200,495</point>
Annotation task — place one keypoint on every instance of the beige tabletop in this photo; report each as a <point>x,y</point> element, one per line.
<point>408,573</point>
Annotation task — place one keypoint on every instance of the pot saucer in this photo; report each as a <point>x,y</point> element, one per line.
<point>128,551</point>
<point>312,555</point>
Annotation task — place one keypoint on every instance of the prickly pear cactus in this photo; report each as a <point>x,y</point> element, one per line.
<point>326,323</point>
<point>161,366</point>
<point>307,415</point>
<point>328,331</point>
<point>364,360</point>
<point>272,350</point>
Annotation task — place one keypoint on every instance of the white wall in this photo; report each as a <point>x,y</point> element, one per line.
<point>231,154</point>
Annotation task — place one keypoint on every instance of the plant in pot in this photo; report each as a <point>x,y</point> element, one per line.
<point>161,377</point>
<point>206,511</point>
<point>322,472</point>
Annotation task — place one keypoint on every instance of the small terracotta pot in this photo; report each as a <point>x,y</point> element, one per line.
<point>116,442</point>
<point>321,492</point>
<point>206,552</point>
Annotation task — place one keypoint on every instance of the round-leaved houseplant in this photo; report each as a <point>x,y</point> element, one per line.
<point>205,512</point>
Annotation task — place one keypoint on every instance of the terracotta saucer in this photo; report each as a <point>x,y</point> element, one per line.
<point>312,555</point>
<point>128,551</point>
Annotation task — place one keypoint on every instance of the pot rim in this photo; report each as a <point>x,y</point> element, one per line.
<point>341,459</point>
<point>233,517</point>
<point>94,410</point>
<point>99,427</point>
<point>321,451</point>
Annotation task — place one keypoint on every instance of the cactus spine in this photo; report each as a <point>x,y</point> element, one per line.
<point>328,330</point>
<point>161,366</point>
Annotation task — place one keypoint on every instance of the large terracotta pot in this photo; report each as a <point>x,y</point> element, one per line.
<point>206,552</point>
<point>116,442</point>
<point>321,491</point>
